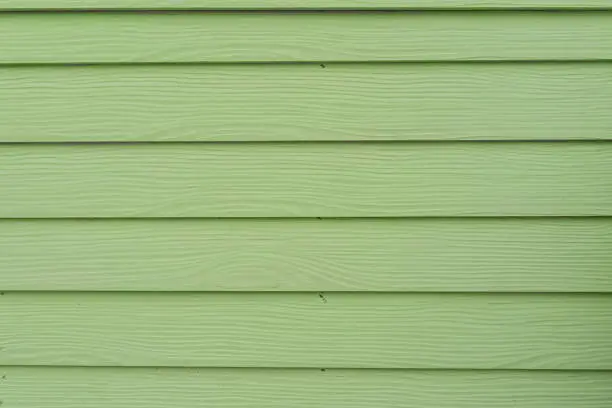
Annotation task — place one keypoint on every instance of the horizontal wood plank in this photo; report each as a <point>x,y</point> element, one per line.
<point>468,331</point>
<point>468,255</point>
<point>29,387</point>
<point>306,180</point>
<point>344,102</point>
<point>38,38</point>
<point>300,4</point>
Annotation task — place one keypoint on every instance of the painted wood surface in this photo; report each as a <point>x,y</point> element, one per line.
<point>301,4</point>
<point>306,180</point>
<point>29,387</point>
<point>310,102</point>
<point>280,310</point>
<point>467,255</point>
<point>242,37</point>
<point>475,331</point>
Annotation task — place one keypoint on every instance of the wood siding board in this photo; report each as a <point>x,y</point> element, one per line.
<point>466,255</point>
<point>38,38</point>
<point>306,180</point>
<point>300,4</point>
<point>342,102</point>
<point>393,260</point>
<point>462,331</point>
<point>28,387</point>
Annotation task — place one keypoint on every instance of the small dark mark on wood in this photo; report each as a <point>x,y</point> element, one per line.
<point>323,66</point>
<point>323,298</point>
<point>323,370</point>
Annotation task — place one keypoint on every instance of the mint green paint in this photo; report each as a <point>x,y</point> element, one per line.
<point>288,102</point>
<point>123,387</point>
<point>486,254</point>
<point>285,330</point>
<point>127,37</point>
<point>352,243</point>
<point>306,180</point>
<point>301,5</point>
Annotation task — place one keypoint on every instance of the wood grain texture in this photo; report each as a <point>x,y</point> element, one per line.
<point>242,37</point>
<point>301,4</point>
<point>344,102</point>
<point>29,387</point>
<point>305,180</point>
<point>470,331</point>
<point>468,255</point>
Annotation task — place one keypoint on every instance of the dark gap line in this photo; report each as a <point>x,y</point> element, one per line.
<point>453,142</point>
<point>307,10</point>
<point>327,369</point>
<point>327,293</point>
<point>42,64</point>
<point>394,218</point>
<point>556,62</point>
<point>465,218</point>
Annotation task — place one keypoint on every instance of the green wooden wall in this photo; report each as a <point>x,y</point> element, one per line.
<point>296,204</point>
